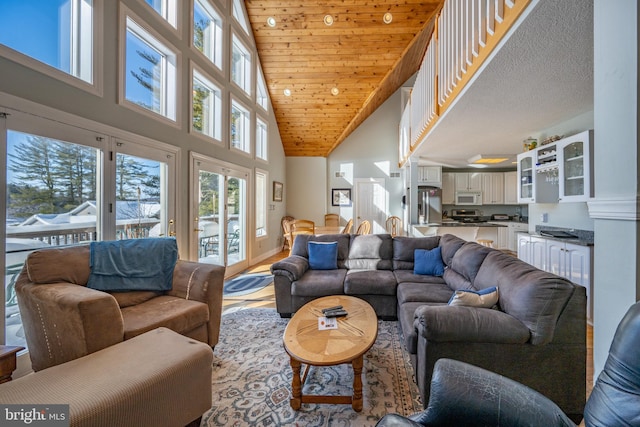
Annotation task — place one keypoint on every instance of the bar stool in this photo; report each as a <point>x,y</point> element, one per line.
<point>485,242</point>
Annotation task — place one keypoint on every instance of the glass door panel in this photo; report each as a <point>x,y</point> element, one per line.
<point>219,215</point>
<point>573,168</point>
<point>526,177</point>
<point>52,200</point>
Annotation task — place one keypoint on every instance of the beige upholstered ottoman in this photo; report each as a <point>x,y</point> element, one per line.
<point>159,378</point>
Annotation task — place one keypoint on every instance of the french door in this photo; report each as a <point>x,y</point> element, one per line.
<point>219,214</point>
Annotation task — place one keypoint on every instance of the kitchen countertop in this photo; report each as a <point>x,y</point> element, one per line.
<point>585,237</point>
<point>459,224</point>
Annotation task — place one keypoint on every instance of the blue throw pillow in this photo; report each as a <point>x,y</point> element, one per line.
<point>428,262</point>
<point>323,255</point>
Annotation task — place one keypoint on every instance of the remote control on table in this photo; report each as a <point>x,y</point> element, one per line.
<point>337,307</point>
<point>335,313</point>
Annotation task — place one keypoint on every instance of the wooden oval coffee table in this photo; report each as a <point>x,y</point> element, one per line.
<point>305,343</point>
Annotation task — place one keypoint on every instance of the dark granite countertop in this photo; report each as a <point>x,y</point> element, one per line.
<point>460,224</point>
<point>584,237</point>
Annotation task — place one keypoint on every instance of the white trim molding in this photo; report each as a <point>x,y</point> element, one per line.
<point>617,208</point>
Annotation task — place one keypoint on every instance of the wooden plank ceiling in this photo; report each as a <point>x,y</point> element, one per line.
<point>364,58</point>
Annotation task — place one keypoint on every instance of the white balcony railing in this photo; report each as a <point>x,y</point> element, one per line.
<point>466,32</point>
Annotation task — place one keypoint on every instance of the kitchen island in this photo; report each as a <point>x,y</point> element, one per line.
<point>466,231</point>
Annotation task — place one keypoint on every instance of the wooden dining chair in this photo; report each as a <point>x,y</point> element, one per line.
<point>394,225</point>
<point>332,220</point>
<point>285,223</point>
<point>364,228</point>
<point>347,228</point>
<point>300,226</point>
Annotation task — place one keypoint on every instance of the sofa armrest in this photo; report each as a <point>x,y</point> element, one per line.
<point>469,324</point>
<point>64,321</point>
<point>463,394</point>
<point>202,282</point>
<point>293,267</point>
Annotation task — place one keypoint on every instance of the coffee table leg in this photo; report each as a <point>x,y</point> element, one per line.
<point>296,386</point>
<point>356,403</point>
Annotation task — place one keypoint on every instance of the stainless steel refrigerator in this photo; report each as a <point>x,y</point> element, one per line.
<point>429,205</point>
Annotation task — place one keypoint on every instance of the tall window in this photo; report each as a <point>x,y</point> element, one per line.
<point>167,9</point>
<point>262,96</point>
<point>241,65</point>
<point>240,127</point>
<point>238,14</point>
<point>150,72</point>
<point>261,203</point>
<point>206,107</point>
<point>207,31</point>
<point>58,33</point>
<point>261,139</point>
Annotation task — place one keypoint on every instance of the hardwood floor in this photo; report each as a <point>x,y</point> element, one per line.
<point>265,298</point>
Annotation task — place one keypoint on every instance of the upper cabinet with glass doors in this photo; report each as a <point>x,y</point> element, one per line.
<point>526,182</point>
<point>575,164</point>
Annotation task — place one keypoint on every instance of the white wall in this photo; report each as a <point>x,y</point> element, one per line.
<point>306,192</point>
<point>371,151</point>
<point>615,209</point>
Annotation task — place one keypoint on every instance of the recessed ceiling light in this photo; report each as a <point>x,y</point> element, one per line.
<point>271,21</point>
<point>287,92</point>
<point>328,19</point>
<point>335,91</point>
<point>387,18</point>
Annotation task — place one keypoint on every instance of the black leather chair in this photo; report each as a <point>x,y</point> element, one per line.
<point>465,395</point>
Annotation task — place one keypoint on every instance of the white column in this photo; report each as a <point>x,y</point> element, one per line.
<point>615,208</point>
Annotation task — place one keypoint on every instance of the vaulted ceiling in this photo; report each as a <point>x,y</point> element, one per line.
<point>337,74</point>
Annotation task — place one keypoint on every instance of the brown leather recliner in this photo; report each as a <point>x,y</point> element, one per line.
<point>64,320</point>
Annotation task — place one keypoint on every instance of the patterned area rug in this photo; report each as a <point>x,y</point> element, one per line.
<point>252,378</point>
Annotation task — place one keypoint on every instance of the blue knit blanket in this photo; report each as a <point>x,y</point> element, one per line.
<point>133,265</point>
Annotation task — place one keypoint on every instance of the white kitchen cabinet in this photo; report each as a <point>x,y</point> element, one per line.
<point>524,247</point>
<point>539,252</point>
<point>430,175</point>
<point>513,229</point>
<point>575,166</point>
<point>568,260</point>
<point>493,188</point>
<point>511,188</point>
<point>526,181</point>
<point>448,188</point>
<point>573,262</point>
<point>468,181</point>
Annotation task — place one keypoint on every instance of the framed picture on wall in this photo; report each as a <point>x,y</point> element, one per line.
<point>340,197</point>
<point>278,189</point>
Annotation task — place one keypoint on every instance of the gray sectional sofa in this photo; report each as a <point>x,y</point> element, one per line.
<point>536,334</point>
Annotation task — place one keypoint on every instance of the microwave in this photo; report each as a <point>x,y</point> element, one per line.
<point>468,198</point>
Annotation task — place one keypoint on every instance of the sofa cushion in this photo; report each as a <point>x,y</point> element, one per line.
<point>450,245</point>
<point>319,283</point>
<point>485,298</point>
<point>466,262</point>
<point>300,246</point>
<point>407,323</point>
<point>428,262</point>
<point>127,299</point>
<point>423,292</point>
<point>370,282</point>
<point>323,255</point>
<point>370,252</point>
<point>533,296</point>
<point>404,249</point>
<point>177,314</point>
<point>68,264</point>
